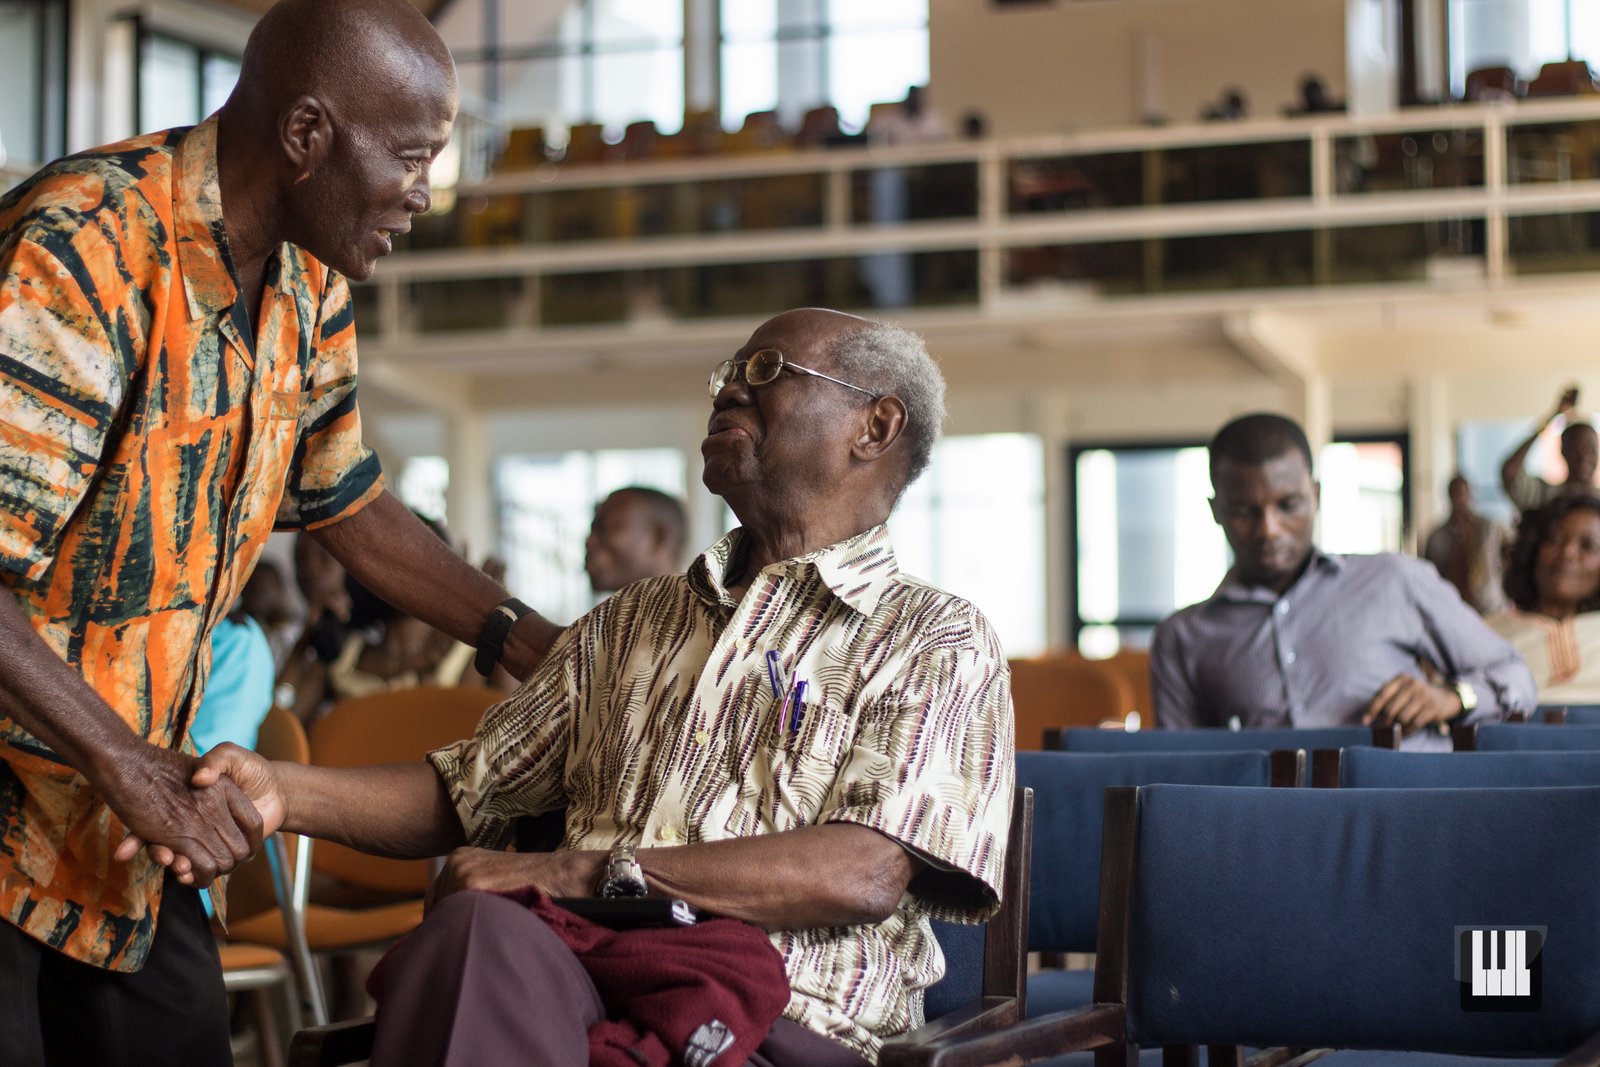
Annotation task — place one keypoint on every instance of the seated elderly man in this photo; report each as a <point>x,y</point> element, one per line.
<point>1297,637</point>
<point>794,733</point>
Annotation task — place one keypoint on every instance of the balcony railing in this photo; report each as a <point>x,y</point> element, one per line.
<point>1458,195</point>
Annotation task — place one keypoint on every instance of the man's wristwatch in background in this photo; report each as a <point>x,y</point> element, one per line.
<point>622,876</point>
<point>492,638</point>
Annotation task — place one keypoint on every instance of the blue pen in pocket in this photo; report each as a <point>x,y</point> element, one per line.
<point>797,714</point>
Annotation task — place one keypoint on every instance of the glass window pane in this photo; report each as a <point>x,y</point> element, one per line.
<point>1363,497</point>
<point>630,86</point>
<point>749,80</point>
<point>21,30</point>
<point>1147,544</point>
<point>543,92</point>
<point>848,15</point>
<point>749,19</point>
<point>866,68</point>
<point>634,22</point>
<point>423,483</point>
<point>169,84</point>
<point>546,504</point>
<point>218,76</point>
<point>973,523</point>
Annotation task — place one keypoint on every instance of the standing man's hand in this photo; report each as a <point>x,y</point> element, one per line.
<point>200,832</point>
<point>1411,703</point>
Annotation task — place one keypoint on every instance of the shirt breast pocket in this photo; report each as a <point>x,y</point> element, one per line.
<point>286,405</point>
<point>794,770</point>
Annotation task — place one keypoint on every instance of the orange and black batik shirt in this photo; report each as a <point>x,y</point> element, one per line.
<point>149,443</point>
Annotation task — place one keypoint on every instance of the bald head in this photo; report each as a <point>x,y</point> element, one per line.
<point>345,53</point>
<point>330,135</point>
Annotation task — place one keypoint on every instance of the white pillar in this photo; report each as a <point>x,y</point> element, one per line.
<point>1433,458</point>
<point>469,498</point>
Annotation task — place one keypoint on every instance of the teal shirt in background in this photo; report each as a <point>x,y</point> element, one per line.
<point>239,692</point>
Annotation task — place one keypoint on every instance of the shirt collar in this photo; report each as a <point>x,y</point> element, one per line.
<point>858,570</point>
<point>202,238</point>
<point>1234,590</point>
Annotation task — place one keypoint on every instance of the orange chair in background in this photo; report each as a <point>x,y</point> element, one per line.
<point>1133,664</point>
<point>394,727</point>
<point>400,726</point>
<point>1064,689</point>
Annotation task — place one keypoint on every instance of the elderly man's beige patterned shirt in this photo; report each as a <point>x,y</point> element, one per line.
<point>654,721</point>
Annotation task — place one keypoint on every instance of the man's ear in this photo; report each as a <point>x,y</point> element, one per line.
<point>880,427</point>
<point>306,135</point>
<point>1316,494</point>
<point>1215,515</point>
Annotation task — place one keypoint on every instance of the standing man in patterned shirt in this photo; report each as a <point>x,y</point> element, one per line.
<point>793,733</point>
<point>177,377</point>
<point>1297,637</point>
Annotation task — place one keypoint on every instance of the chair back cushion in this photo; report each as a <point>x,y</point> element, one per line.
<point>1330,917</point>
<point>1537,737</point>
<point>1379,768</point>
<point>962,945</point>
<point>1068,797</point>
<point>1215,740</point>
<point>1576,714</point>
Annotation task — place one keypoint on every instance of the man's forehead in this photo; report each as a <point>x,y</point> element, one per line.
<point>1283,472</point>
<point>802,329</point>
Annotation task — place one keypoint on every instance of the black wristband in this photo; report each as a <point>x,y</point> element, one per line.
<point>492,638</point>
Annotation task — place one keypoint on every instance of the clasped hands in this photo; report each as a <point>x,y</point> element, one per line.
<point>200,817</point>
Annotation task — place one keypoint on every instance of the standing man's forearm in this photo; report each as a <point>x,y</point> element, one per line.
<point>392,553</point>
<point>146,786</point>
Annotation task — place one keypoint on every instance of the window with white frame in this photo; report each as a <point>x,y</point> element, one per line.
<point>791,55</point>
<point>32,81</point>
<point>1520,34</point>
<point>180,83</point>
<point>546,504</point>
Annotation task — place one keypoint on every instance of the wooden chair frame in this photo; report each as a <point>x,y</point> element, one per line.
<point>1102,1027</point>
<point>1000,1006</point>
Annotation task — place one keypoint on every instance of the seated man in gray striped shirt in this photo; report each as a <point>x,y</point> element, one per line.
<point>1296,637</point>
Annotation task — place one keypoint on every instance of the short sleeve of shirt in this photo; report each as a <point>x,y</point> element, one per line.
<point>933,767</point>
<point>1529,491</point>
<point>61,383</point>
<point>332,473</point>
<point>515,764</point>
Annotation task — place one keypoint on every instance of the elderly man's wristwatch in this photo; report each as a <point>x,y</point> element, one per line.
<point>622,876</point>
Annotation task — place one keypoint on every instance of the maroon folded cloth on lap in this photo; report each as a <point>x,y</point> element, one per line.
<point>702,995</point>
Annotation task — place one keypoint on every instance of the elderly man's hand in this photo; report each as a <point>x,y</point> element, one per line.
<point>562,873</point>
<point>1412,703</point>
<point>201,832</point>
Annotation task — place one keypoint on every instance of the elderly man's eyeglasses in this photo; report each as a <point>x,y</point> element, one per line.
<point>763,367</point>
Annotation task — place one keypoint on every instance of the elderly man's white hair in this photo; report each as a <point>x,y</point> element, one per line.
<point>892,360</point>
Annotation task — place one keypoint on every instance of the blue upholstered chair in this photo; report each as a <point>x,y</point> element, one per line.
<point>1375,768</point>
<point>1331,919</point>
<point>1068,794</point>
<point>1527,737</point>
<point>1571,714</point>
<point>1218,740</point>
<point>982,991</point>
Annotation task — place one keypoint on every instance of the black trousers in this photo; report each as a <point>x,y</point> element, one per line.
<point>485,981</point>
<point>57,1012</point>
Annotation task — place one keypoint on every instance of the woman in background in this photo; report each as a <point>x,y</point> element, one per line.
<point>1553,578</point>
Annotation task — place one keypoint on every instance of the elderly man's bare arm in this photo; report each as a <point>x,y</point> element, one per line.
<point>392,553</point>
<point>398,810</point>
<point>146,785</point>
<point>832,874</point>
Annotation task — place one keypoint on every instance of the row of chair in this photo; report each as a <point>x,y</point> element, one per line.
<point>1568,77</point>
<point>983,989</point>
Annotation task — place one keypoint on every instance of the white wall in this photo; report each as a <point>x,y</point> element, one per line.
<point>1053,67</point>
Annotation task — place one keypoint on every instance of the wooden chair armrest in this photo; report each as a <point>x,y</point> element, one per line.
<point>1022,1042</point>
<point>349,1041</point>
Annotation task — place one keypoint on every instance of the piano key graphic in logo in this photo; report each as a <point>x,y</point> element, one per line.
<point>1500,968</point>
